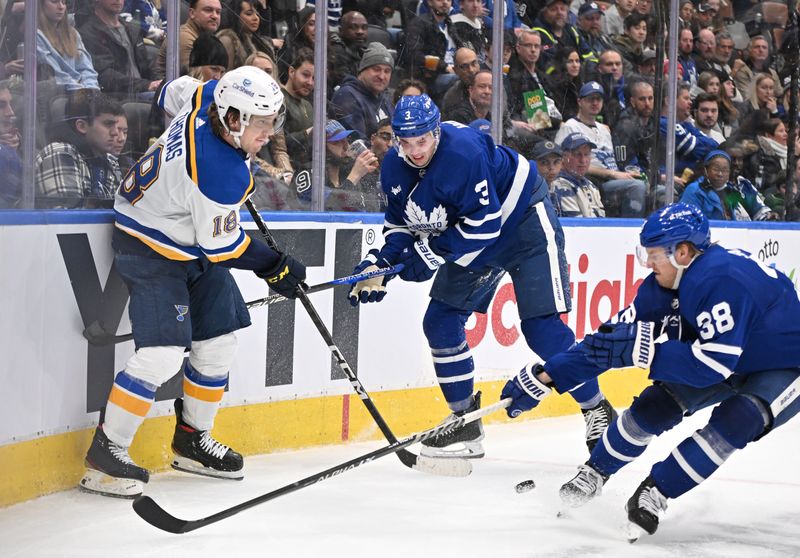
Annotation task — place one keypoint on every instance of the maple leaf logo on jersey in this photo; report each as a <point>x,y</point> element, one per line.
<point>419,221</point>
<point>396,190</point>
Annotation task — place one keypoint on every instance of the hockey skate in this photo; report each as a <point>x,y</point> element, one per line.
<point>463,443</point>
<point>584,486</point>
<point>196,451</point>
<point>643,509</point>
<point>111,471</point>
<point>597,419</point>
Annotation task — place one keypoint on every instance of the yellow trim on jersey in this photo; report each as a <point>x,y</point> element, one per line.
<point>250,188</point>
<point>160,248</point>
<point>191,146</point>
<point>231,255</point>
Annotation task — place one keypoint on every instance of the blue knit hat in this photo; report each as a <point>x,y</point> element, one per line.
<point>714,154</point>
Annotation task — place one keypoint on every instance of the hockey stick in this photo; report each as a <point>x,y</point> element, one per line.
<point>155,515</point>
<point>421,463</point>
<point>96,334</point>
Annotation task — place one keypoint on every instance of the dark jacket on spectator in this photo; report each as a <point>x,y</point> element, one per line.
<point>633,142</point>
<point>343,61</point>
<point>299,118</point>
<point>569,37</point>
<point>564,91</point>
<point>425,38</point>
<point>357,108</point>
<point>520,80</point>
<point>110,57</point>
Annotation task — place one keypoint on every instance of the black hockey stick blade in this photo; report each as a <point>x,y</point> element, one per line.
<point>155,515</point>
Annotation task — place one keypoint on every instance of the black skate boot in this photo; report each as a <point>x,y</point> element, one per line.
<point>196,451</point>
<point>111,471</point>
<point>643,509</point>
<point>465,441</point>
<point>584,486</point>
<point>597,419</point>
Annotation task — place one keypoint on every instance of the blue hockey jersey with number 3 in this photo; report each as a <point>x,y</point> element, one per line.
<point>467,201</point>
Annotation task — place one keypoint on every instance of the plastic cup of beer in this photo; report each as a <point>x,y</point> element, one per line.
<point>431,62</point>
<point>506,68</point>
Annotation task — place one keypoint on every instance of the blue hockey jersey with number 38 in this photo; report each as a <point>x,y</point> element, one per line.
<point>467,201</point>
<point>740,316</point>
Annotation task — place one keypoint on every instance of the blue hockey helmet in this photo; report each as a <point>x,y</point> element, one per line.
<point>415,115</point>
<point>676,223</point>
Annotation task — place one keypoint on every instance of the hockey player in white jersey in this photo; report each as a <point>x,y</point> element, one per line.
<point>176,233</point>
<point>459,204</point>
<point>714,327</point>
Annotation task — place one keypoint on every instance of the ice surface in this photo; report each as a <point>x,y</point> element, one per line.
<point>382,509</point>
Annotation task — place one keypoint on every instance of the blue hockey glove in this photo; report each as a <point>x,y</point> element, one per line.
<point>369,290</point>
<point>286,276</point>
<point>420,262</point>
<point>525,390</point>
<point>620,345</point>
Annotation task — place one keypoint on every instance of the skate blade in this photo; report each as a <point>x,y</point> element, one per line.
<point>180,463</point>
<point>633,532</point>
<point>97,482</point>
<point>459,450</point>
<point>448,467</point>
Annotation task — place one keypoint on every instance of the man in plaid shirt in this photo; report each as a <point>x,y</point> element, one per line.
<point>75,170</point>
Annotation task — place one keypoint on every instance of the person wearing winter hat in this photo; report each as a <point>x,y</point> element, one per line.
<point>208,58</point>
<point>361,102</point>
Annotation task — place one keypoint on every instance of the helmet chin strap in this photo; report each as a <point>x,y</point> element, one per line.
<point>244,121</point>
<point>679,269</point>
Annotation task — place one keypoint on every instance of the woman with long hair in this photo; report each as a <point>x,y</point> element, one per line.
<point>240,34</point>
<point>60,48</point>
<point>302,37</point>
<point>564,84</point>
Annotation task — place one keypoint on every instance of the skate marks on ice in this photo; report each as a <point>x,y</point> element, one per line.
<point>384,509</point>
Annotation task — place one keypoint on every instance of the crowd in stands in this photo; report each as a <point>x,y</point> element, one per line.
<point>579,95</point>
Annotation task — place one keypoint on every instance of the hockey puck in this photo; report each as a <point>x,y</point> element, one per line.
<point>525,486</point>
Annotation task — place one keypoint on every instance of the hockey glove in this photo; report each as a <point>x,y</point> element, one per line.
<point>369,290</point>
<point>621,345</point>
<point>286,276</point>
<point>525,390</point>
<point>420,262</point>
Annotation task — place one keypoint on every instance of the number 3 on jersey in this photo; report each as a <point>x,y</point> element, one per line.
<point>141,176</point>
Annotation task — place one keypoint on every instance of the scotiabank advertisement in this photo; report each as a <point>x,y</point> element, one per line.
<point>59,278</point>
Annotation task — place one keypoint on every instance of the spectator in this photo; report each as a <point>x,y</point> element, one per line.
<point>623,192</point>
<point>691,145</point>
<point>240,34</point>
<point>548,157</point>
<point>706,114</point>
<point>762,99</point>
<point>723,52</point>
<point>630,44</point>
<point>525,80</point>
<point>727,97</point>
<point>346,49</point>
<point>703,17</point>
<point>556,32</point>
<point>610,74</point>
<point>408,87</point>
<point>564,84</point>
<point>511,19</point>
<point>60,48</point>
<point>644,7</point>
<point>149,15</point>
<point>262,61</point>
<point>509,46</point>
<point>299,111</point>
<point>719,197</point>
<point>10,163</point>
<point>381,140</point>
<point>647,63</point>
<point>470,27</point>
<point>634,133</point>
<point>11,35</point>
<point>118,53</point>
<point>757,62</point>
<point>787,208</point>
<point>431,43</point>
<point>302,38</point>
<point>591,33</point>
<point>204,15</point>
<point>685,60</point>
<point>75,170</point>
<point>334,13</point>
<point>686,14</point>
<point>267,29</point>
<point>361,102</point>
<point>376,11</point>
<point>465,65</point>
<point>575,195</point>
<point>705,57</point>
<point>612,23</point>
<point>766,167</point>
<point>344,170</point>
<point>208,59</point>
<point>480,103</point>
<point>118,152</point>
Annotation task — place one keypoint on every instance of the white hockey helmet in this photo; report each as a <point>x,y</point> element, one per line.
<point>253,92</point>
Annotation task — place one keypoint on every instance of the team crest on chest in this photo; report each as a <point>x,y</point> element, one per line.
<point>418,219</point>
